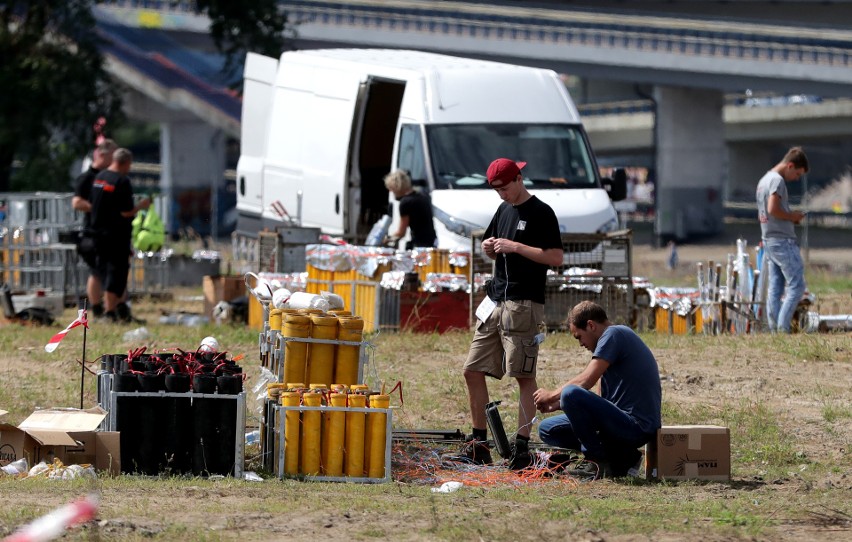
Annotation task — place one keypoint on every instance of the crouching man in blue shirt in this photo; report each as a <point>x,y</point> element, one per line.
<point>608,428</point>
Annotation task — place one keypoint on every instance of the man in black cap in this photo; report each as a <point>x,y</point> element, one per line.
<point>524,240</point>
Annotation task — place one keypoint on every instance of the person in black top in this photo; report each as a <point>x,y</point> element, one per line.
<point>101,159</point>
<point>524,240</point>
<point>415,211</point>
<point>112,211</point>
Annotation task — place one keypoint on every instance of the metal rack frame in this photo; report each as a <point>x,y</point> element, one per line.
<point>240,405</point>
<point>280,412</point>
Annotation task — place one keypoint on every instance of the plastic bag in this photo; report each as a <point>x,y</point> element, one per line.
<point>378,232</point>
<point>147,231</point>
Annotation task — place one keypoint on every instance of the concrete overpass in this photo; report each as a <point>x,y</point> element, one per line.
<point>185,92</point>
<point>683,66</point>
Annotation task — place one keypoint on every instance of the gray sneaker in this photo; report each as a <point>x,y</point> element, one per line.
<point>590,470</point>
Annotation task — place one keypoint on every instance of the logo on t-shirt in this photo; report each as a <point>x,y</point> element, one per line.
<point>100,183</point>
<point>522,225</point>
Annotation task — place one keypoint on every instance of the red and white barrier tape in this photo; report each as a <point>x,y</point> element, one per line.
<point>54,524</point>
<point>56,339</point>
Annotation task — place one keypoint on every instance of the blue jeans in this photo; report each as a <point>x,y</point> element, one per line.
<point>786,272</point>
<point>593,425</point>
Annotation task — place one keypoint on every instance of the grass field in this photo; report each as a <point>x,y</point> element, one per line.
<point>785,398</point>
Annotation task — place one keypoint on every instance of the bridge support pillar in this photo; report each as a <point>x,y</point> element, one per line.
<point>748,163</point>
<point>193,159</point>
<point>691,162</point>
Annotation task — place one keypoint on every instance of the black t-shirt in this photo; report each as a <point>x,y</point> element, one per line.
<point>111,195</point>
<point>83,189</point>
<point>418,208</point>
<point>534,224</point>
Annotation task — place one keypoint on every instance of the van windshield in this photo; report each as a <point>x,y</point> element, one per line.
<point>556,154</point>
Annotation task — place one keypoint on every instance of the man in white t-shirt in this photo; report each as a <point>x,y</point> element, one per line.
<point>786,272</point>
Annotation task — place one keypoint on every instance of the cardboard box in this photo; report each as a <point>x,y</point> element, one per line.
<point>14,443</point>
<point>221,288</point>
<point>690,452</point>
<point>65,434</point>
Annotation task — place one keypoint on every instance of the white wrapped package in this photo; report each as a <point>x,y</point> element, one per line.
<point>334,300</point>
<point>304,300</point>
<point>280,298</point>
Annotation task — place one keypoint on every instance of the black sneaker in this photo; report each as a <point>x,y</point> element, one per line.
<point>628,464</point>
<point>109,316</point>
<point>472,451</point>
<point>122,311</point>
<point>521,457</point>
<point>97,310</point>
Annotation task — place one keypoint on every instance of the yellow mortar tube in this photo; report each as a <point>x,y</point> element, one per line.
<point>375,439</point>
<point>275,319</point>
<point>292,427</point>
<point>343,285</point>
<point>334,434</point>
<point>354,440</point>
<point>295,352</point>
<point>309,460</point>
<point>321,356</point>
<point>347,358</point>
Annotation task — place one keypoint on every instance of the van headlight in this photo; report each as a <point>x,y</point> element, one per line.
<point>454,224</point>
<point>610,225</point>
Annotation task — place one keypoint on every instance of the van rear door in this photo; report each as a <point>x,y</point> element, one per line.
<point>259,74</point>
<point>371,151</point>
<point>312,122</point>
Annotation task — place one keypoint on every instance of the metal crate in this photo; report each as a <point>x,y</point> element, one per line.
<point>279,251</point>
<point>280,412</point>
<point>272,357</point>
<point>144,417</point>
<point>35,252</point>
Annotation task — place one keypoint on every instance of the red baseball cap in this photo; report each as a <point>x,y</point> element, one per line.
<point>503,171</point>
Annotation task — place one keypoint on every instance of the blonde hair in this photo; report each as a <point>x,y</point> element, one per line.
<point>398,181</point>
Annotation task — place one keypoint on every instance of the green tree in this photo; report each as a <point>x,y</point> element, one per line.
<point>54,87</point>
<point>248,25</point>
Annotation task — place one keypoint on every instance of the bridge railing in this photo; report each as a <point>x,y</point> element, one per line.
<point>686,37</point>
<point>680,40</point>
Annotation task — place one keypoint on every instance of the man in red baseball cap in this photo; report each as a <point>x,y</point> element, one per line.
<point>524,240</point>
<point>503,171</point>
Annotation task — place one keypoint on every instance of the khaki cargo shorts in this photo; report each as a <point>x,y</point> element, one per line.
<point>505,341</point>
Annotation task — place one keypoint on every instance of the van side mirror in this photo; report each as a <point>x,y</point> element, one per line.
<point>616,186</point>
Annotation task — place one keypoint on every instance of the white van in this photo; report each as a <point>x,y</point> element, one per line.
<point>321,129</point>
